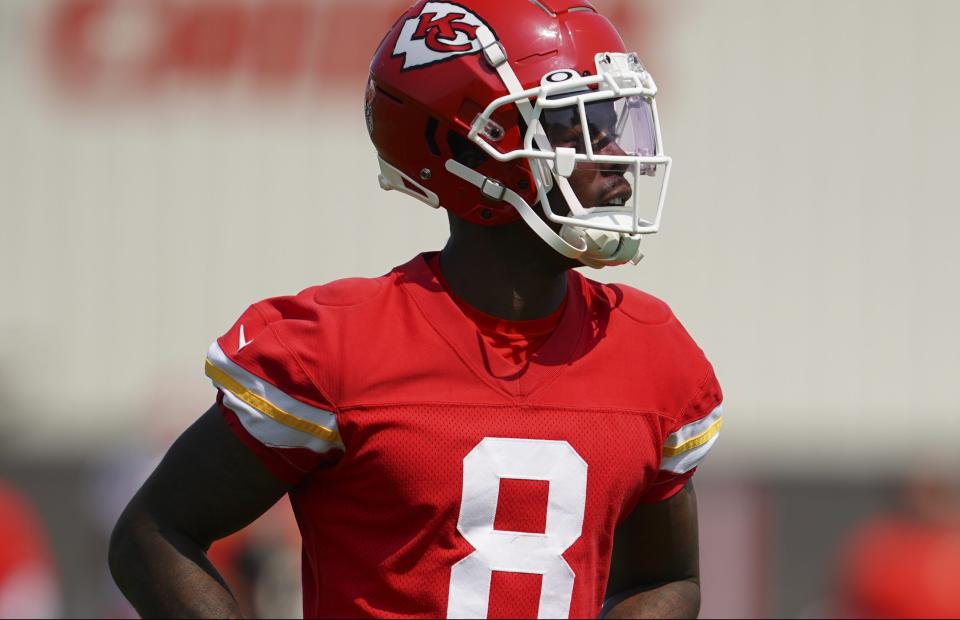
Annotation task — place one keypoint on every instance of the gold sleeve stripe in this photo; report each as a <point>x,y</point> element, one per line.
<point>694,442</point>
<point>267,408</point>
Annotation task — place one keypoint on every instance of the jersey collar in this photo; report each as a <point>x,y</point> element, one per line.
<point>543,367</point>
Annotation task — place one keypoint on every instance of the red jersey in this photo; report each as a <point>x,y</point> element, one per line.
<point>433,476</point>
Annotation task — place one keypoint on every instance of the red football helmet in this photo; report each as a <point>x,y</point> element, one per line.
<point>487,108</point>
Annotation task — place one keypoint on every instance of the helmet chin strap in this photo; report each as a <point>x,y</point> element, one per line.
<point>628,251</point>
<point>593,248</point>
<point>604,249</point>
<point>494,190</point>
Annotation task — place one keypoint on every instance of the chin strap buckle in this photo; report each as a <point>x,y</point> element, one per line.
<point>493,50</point>
<point>494,190</point>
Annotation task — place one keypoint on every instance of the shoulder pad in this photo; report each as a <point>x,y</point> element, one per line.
<point>639,306</point>
<point>348,292</point>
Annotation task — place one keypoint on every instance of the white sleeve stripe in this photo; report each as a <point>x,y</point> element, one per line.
<point>269,391</point>
<point>271,433</point>
<point>694,429</point>
<point>268,413</point>
<point>686,461</point>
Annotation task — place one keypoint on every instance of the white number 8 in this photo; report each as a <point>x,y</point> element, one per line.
<point>518,552</point>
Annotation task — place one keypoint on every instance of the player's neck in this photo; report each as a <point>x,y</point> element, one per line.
<point>505,271</point>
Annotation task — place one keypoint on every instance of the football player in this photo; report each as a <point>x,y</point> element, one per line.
<point>481,432</point>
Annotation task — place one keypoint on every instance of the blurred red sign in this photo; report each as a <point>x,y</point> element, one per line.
<point>131,46</point>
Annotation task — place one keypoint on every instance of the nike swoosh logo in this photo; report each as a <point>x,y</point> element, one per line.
<point>243,340</point>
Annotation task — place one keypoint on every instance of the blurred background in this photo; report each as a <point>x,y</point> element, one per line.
<point>164,163</point>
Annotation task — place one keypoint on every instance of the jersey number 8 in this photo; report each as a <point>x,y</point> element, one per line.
<point>555,462</point>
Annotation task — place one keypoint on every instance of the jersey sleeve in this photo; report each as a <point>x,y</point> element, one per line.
<point>266,396</point>
<point>689,440</point>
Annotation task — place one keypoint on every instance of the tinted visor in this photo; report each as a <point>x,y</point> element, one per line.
<point>617,127</point>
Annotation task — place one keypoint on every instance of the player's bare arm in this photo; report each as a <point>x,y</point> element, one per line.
<point>208,486</point>
<point>654,572</point>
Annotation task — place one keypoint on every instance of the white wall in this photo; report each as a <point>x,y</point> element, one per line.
<point>812,232</point>
<point>808,242</point>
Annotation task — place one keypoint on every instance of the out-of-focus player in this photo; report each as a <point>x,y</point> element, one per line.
<point>905,563</point>
<point>28,581</point>
<point>482,432</point>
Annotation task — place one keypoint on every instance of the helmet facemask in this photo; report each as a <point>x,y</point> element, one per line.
<point>596,139</point>
<point>614,192</point>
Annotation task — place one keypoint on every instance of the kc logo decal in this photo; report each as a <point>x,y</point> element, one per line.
<point>442,31</point>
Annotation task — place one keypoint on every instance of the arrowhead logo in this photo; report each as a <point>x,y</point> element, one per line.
<point>243,340</point>
<point>442,31</point>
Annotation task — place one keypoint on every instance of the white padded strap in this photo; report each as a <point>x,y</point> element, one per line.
<point>517,202</point>
<point>497,57</point>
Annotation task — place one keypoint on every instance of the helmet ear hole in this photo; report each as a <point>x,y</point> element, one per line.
<point>464,151</point>
<point>431,135</point>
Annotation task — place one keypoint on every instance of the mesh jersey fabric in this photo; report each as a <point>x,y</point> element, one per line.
<point>433,477</point>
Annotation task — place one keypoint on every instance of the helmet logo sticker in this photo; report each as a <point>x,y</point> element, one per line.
<point>442,31</point>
